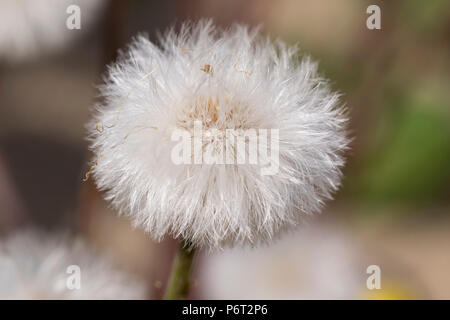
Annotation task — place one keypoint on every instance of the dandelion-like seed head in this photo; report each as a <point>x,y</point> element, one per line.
<point>36,266</point>
<point>222,80</point>
<point>30,28</point>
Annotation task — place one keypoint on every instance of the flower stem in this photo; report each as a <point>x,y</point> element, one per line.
<point>179,281</point>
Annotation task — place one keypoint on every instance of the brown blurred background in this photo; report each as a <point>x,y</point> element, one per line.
<point>394,207</point>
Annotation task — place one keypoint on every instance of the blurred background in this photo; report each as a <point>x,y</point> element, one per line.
<point>393,210</point>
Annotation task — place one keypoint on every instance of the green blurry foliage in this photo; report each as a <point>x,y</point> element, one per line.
<point>412,165</point>
<point>425,16</point>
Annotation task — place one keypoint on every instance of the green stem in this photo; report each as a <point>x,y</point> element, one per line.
<point>178,286</point>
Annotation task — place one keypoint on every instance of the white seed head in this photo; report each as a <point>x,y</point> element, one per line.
<point>224,79</point>
<point>35,266</point>
<point>320,262</point>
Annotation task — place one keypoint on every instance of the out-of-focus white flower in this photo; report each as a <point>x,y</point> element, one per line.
<point>29,27</point>
<point>34,266</point>
<point>225,79</point>
<point>318,263</point>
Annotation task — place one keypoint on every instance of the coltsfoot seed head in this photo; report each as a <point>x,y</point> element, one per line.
<point>222,80</point>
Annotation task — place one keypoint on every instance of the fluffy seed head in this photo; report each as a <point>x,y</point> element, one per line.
<point>320,262</point>
<point>220,79</point>
<point>35,266</point>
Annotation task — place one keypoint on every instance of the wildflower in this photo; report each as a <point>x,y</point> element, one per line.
<point>34,266</point>
<point>224,79</point>
<point>320,262</point>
